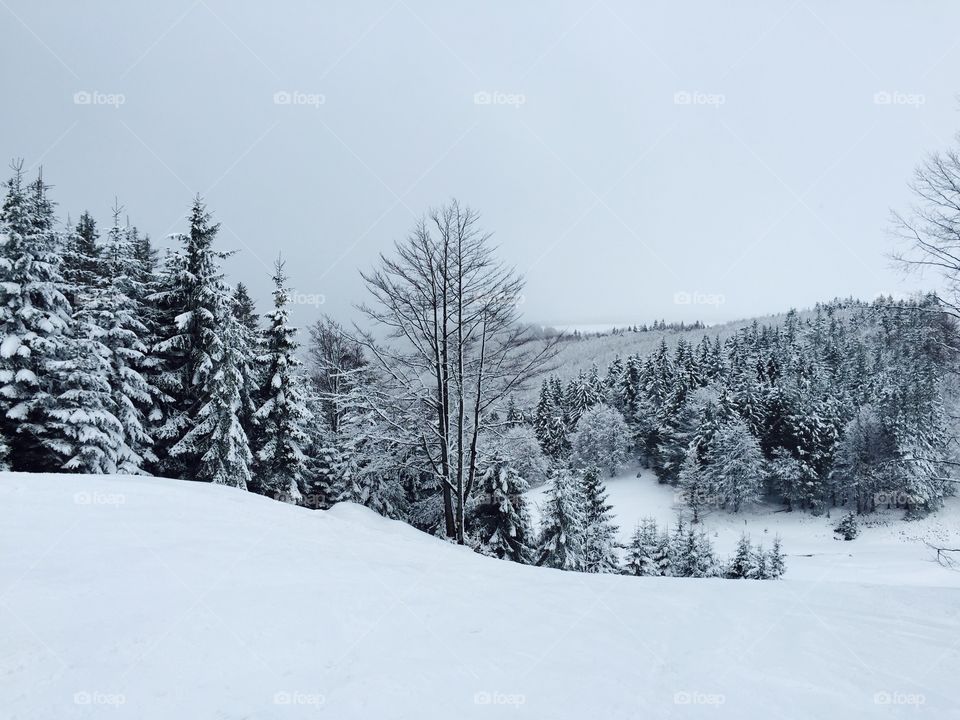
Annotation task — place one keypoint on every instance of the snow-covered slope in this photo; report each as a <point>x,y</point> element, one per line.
<point>146,598</point>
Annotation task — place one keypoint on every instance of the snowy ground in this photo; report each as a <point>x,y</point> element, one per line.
<point>146,598</point>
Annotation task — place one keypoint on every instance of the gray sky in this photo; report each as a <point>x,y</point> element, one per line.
<point>634,160</point>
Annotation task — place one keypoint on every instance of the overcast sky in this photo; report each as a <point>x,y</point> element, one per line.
<point>635,160</point>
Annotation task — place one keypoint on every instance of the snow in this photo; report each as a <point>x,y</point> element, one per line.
<point>888,550</point>
<point>9,346</point>
<point>146,598</point>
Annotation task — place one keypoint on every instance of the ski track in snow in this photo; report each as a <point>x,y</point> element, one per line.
<point>147,598</point>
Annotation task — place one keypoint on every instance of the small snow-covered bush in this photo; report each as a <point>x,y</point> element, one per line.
<point>848,528</point>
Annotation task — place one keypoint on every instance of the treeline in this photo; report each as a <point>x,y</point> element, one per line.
<point>117,360</point>
<point>656,326</point>
<point>844,407</point>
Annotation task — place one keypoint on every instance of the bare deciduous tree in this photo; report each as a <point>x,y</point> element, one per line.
<point>455,348</point>
<point>930,231</point>
<point>335,363</point>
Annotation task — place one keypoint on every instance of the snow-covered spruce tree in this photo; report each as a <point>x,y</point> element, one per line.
<point>864,467</point>
<point>735,465</point>
<point>778,561</point>
<point>110,315</point>
<point>691,553</point>
<point>694,483</point>
<point>602,439</point>
<point>847,528</point>
<point>699,558</point>
<point>742,564</point>
<point>549,423</point>
<point>143,286</point>
<point>190,307</point>
<point>245,312</point>
<point>35,317</point>
<point>81,259</point>
<point>648,553</point>
<point>761,567</point>
<point>500,521</point>
<point>83,429</point>
<point>282,417</point>
<point>600,534</point>
<point>323,469</point>
<point>216,437</point>
<point>561,541</point>
<point>634,556</point>
<point>676,421</point>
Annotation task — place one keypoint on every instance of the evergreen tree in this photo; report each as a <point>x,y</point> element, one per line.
<point>561,541</point>
<point>216,437</point>
<point>735,465</point>
<point>600,534</point>
<point>776,562</point>
<point>633,560</point>
<point>35,316</point>
<point>649,551</point>
<point>191,306</point>
<point>693,483</point>
<point>245,313</point>
<point>83,431</point>
<point>109,321</point>
<point>82,271</point>
<point>500,518</point>
<point>742,565</point>
<point>283,416</point>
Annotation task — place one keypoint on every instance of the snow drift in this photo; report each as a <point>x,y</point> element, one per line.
<point>145,598</point>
